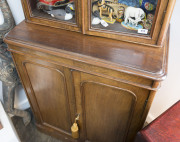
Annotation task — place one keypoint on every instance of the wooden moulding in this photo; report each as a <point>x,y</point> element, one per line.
<point>127,58</point>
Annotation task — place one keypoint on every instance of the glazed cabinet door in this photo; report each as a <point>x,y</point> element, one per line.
<point>50,92</point>
<point>110,111</point>
<point>137,21</point>
<point>63,14</point>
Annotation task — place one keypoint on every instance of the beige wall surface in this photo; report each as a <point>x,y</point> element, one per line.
<point>170,90</point>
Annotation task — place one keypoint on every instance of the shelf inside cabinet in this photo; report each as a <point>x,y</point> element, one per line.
<point>116,27</point>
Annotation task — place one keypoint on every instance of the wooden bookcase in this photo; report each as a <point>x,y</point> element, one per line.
<point>109,78</point>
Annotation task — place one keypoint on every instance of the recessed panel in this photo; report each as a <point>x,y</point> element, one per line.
<point>107,111</point>
<point>49,87</point>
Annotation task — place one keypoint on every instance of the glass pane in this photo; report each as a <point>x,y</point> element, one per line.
<point>128,16</point>
<point>63,10</point>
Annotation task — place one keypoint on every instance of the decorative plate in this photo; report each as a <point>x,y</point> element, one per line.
<point>131,27</point>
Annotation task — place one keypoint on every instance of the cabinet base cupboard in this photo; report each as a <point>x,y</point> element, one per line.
<point>109,84</point>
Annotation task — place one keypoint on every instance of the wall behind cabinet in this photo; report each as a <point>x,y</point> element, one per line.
<point>170,90</point>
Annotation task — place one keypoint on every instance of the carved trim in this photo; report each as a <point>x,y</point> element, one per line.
<point>96,73</point>
<point>101,63</point>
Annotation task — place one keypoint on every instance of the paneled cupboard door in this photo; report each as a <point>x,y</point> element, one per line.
<point>63,14</point>
<point>50,91</point>
<point>110,110</point>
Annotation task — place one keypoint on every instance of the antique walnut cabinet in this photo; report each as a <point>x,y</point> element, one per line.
<point>110,84</point>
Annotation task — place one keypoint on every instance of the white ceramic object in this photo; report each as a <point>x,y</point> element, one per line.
<point>1,17</point>
<point>136,13</point>
<point>96,21</point>
<point>104,23</point>
<point>68,16</point>
<point>134,22</point>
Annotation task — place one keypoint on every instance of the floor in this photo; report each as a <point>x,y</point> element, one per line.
<point>30,133</point>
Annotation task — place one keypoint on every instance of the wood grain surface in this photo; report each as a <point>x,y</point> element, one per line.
<point>136,59</point>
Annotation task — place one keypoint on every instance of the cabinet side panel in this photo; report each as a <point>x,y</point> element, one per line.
<point>49,87</point>
<point>108,112</point>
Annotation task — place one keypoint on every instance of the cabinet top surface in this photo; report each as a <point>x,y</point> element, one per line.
<point>136,59</point>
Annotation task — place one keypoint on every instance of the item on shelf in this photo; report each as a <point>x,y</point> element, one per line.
<point>147,25</point>
<point>134,22</point>
<point>148,22</point>
<point>107,20</point>
<point>70,8</point>
<point>97,19</point>
<point>150,17</point>
<point>47,5</point>
<point>118,9</point>
<point>103,7</point>
<point>62,14</point>
<point>131,26</point>
<point>148,5</point>
<point>120,14</point>
<point>131,12</point>
<point>111,9</point>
